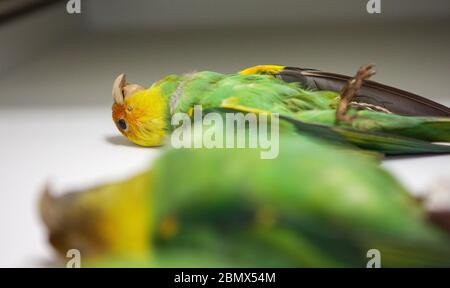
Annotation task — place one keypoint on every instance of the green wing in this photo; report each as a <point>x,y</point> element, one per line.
<point>389,144</point>
<point>387,133</point>
<point>435,129</point>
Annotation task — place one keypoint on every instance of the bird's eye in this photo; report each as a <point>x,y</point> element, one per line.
<point>122,124</point>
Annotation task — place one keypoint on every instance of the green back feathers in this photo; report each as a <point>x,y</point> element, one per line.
<point>264,92</point>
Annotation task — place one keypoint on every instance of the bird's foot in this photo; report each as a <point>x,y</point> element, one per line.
<point>349,92</point>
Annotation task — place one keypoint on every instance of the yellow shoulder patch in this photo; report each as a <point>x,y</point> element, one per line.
<point>262,69</point>
<point>233,103</point>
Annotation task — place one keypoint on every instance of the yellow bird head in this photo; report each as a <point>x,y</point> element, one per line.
<point>112,220</point>
<point>139,113</point>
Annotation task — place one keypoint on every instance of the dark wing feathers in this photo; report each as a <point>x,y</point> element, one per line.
<point>393,99</point>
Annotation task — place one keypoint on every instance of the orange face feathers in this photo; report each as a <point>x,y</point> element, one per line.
<point>139,113</point>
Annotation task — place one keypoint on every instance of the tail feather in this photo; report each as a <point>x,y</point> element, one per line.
<point>389,144</point>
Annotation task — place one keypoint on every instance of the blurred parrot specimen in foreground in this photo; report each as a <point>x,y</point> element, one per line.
<point>325,105</point>
<point>316,205</point>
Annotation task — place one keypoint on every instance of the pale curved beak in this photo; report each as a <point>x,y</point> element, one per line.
<point>122,89</point>
<point>117,91</point>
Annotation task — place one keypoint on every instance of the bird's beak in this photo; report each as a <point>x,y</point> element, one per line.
<point>122,89</point>
<point>117,91</point>
<point>50,210</point>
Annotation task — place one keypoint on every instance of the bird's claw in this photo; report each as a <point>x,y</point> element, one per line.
<point>349,92</point>
<point>365,72</point>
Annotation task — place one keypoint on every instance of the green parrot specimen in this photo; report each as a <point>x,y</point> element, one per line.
<point>364,113</point>
<point>316,205</point>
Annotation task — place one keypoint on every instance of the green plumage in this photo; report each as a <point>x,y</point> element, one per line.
<point>264,92</point>
<point>324,207</point>
<point>387,133</point>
